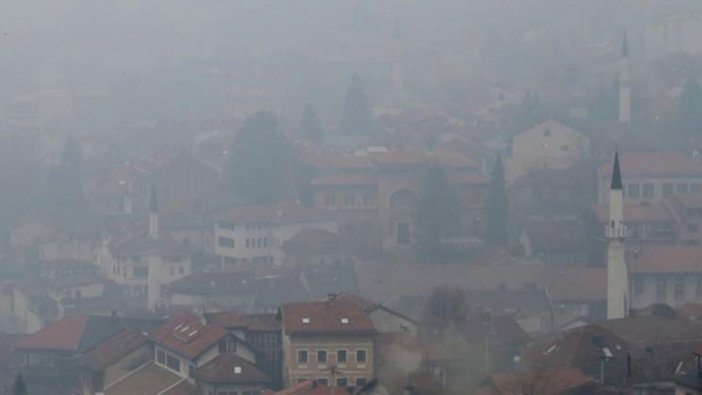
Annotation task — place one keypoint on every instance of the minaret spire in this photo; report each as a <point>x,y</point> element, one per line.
<point>625,83</point>
<point>153,213</point>
<point>616,233</point>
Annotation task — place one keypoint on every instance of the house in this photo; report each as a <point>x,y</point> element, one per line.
<point>49,358</point>
<point>229,373</point>
<point>652,176</point>
<point>331,341</point>
<point>548,145</point>
<point>256,233</point>
<point>670,274</point>
<point>113,359</point>
<point>263,333</point>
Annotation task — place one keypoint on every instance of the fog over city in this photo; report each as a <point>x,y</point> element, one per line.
<point>350,197</point>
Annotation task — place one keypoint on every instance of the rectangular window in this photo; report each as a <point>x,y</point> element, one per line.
<point>360,356</point>
<point>661,289</point>
<point>679,288</point>
<point>321,356</point>
<point>160,357</point>
<point>647,190</point>
<point>227,242</point>
<point>323,381</point>
<point>225,225</point>
<point>141,271</point>
<point>173,363</point>
<point>361,381</point>
<point>638,285</point>
<point>340,356</point>
<point>667,188</point>
<point>342,382</point>
<point>302,356</point>
<point>681,187</point>
<point>191,370</point>
<point>632,190</point>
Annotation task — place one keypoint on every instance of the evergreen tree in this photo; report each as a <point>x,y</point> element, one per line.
<point>19,388</point>
<point>356,118</point>
<point>310,125</point>
<point>497,209</point>
<point>438,217</point>
<point>66,185</point>
<point>263,161</point>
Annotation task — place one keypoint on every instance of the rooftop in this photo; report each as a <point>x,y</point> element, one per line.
<point>62,335</point>
<point>592,284</point>
<point>187,336</point>
<point>655,164</point>
<point>665,259</point>
<point>333,315</point>
<point>231,368</point>
<point>149,379</point>
<point>252,322</point>
<point>114,348</point>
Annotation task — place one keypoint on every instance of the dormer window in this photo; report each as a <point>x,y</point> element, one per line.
<point>237,369</point>
<point>305,320</point>
<point>344,320</point>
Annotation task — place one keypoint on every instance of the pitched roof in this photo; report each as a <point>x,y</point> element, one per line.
<point>592,284</point>
<point>642,329</point>
<point>232,369</point>
<point>665,259</point>
<point>214,283</point>
<point>62,335</point>
<point>547,382</point>
<point>330,316</point>
<point>282,212</point>
<point>114,348</point>
<point>185,335</point>
<point>655,164</point>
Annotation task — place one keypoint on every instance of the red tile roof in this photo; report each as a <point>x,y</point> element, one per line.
<point>114,348</point>
<point>548,382</point>
<point>636,212</point>
<point>665,259</point>
<point>287,211</point>
<point>231,368</point>
<point>185,335</point>
<point>62,335</point>
<point>656,164</point>
<point>330,316</point>
<point>592,284</point>
<point>345,179</point>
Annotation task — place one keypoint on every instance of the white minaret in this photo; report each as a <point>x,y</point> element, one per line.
<point>616,232</point>
<point>625,84</point>
<point>153,214</point>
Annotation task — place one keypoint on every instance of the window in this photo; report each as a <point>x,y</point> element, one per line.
<point>661,290</point>
<point>340,356</point>
<point>323,381</point>
<point>638,286</point>
<point>667,188</point>
<point>330,200</point>
<point>632,190</point>
<point>226,225</point>
<point>361,356</point>
<point>679,288</point>
<point>342,382</point>
<point>227,242</point>
<point>321,356</point>
<point>191,370</point>
<point>302,356</point>
<point>173,362</point>
<point>141,271</point>
<point>361,381</point>
<point>693,227</point>
<point>403,233</point>
<point>349,200</point>
<point>681,187</point>
<point>647,190</point>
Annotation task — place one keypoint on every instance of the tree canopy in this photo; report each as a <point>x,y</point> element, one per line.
<point>497,207</point>
<point>263,161</point>
<point>356,118</point>
<point>438,217</point>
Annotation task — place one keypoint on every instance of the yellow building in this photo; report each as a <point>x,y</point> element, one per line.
<point>331,341</point>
